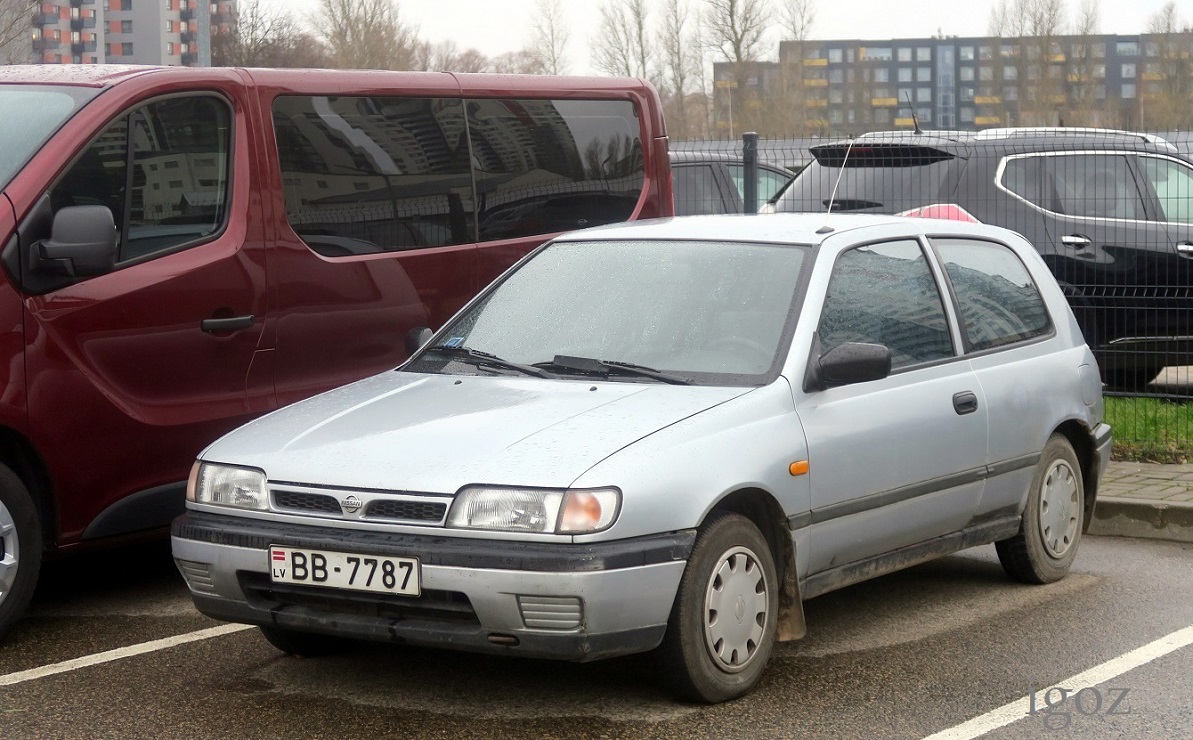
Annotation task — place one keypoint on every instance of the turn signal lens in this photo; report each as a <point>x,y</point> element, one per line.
<point>588,511</point>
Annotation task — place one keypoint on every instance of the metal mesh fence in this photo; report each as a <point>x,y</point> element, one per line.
<point>1111,213</point>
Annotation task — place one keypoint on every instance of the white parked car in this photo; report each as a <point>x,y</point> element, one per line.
<point>668,435</point>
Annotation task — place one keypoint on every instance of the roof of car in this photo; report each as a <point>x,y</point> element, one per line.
<point>1032,137</point>
<point>86,75</point>
<point>773,228</point>
<point>692,157</point>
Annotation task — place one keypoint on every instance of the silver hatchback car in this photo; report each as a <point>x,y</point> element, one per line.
<point>668,435</point>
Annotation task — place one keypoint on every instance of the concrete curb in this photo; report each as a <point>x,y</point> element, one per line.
<point>1125,517</point>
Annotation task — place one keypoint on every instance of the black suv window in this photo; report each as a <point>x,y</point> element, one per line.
<point>885,294</point>
<point>177,192</point>
<point>998,301</point>
<point>1093,186</point>
<point>877,178</point>
<point>1172,183</point>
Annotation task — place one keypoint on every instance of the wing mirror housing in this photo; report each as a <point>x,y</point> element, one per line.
<point>849,363</point>
<point>82,243</point>
<point>416,338</point>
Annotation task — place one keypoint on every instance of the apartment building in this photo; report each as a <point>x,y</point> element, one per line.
<point>846,86</point>
<point>165,32</point>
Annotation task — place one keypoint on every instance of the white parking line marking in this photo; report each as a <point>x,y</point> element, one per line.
<point>10,679</point>
<point>1020,709</point>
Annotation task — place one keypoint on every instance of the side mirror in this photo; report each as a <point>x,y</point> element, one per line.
<point>416,338</point>
<point>854,362</point>
<point>82,242</point>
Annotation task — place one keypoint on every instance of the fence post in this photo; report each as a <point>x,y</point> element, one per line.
<point>749,155</point>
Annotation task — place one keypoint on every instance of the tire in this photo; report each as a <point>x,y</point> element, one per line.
<point>1044,548</point>
<point>714,660</point>
<point>1131,378</point>
<point>303,644</point>
<point>20,549</point>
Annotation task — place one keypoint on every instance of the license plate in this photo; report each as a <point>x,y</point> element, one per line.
<point>344,570</point>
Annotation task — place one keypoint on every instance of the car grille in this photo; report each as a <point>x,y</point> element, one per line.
<point>421,511</point>
<point>298,501</point>
<point>439,606</point>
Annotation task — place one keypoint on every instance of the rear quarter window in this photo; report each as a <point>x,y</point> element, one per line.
<point>997,299</point>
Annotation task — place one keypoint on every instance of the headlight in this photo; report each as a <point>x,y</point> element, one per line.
<point>535,510</point>
<point>224,485</point>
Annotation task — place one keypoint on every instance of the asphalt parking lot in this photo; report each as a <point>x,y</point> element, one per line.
<point>905,656</point>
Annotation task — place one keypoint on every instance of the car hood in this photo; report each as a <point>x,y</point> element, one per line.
<point>438,433</point>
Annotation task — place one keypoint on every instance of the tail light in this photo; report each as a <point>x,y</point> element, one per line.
<point>946,211</point>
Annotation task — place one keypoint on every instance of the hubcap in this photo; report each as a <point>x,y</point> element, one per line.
<point>735,609</point>
<point>10,550</point>
<point>1060,508</point>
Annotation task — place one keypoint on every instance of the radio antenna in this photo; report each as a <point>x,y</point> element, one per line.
<point>915,120</point>
<point>833,197</point>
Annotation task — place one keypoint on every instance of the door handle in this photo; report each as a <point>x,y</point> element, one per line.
<point>965,402</point>
<point>1076,241</point>
<point>235,323</point>
<point>1185,249</point>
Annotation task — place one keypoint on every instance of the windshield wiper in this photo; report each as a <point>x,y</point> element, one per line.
<point>478,358</point>
<point>604,367</point>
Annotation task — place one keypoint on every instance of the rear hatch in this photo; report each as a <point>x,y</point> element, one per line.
<point>874,177</point>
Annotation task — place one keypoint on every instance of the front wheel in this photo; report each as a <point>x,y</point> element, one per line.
<point>1043,549</point>
<point>20,549</point>
<point>723,623</point>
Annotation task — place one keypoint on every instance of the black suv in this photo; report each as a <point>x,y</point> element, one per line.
<point>1111,212</point>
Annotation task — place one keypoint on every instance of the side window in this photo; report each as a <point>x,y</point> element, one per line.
<point>177,191</point>
<point>696,190</point>
<point>1173,185</point>
<point>1023,176</point>
<point>364,175</point>
<point>1093,185</point>
<point>998,302</point>
<point>769,181</point>
<point>544,166</point>
<point>885,294</point>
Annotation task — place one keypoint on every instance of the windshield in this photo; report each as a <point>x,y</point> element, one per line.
<point>707,312</point>
<point>42,110</point>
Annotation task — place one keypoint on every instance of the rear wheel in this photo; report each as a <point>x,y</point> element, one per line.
<point>723,622</point>
<point>20,549</point>
<point>303,644</point>
<point>1046,544</point>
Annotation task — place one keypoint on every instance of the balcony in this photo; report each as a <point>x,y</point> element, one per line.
<point>187,15</point>
<point>44,19</point>
<point>78,24</point>
<point>80,47</point>
<point>187,36</point>
<point>190,59</point>
<point>45,44</point>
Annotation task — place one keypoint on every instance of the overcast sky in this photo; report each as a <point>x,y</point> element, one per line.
<point>497,26</point>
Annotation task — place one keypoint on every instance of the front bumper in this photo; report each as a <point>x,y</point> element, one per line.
<point>474,590</point>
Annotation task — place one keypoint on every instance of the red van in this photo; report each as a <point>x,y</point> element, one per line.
<point>184,249</point>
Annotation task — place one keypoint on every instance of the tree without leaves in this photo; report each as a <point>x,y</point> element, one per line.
<point>792,113</point>
<point>678,55</point>
<point>366,34</point>
<point>16,29</point>
<point>623,42</point>
<point>549,37</point>
<point>524,62</point>
<point>734,28</point>
<point>1167,101</point>
<point>266,37</point>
